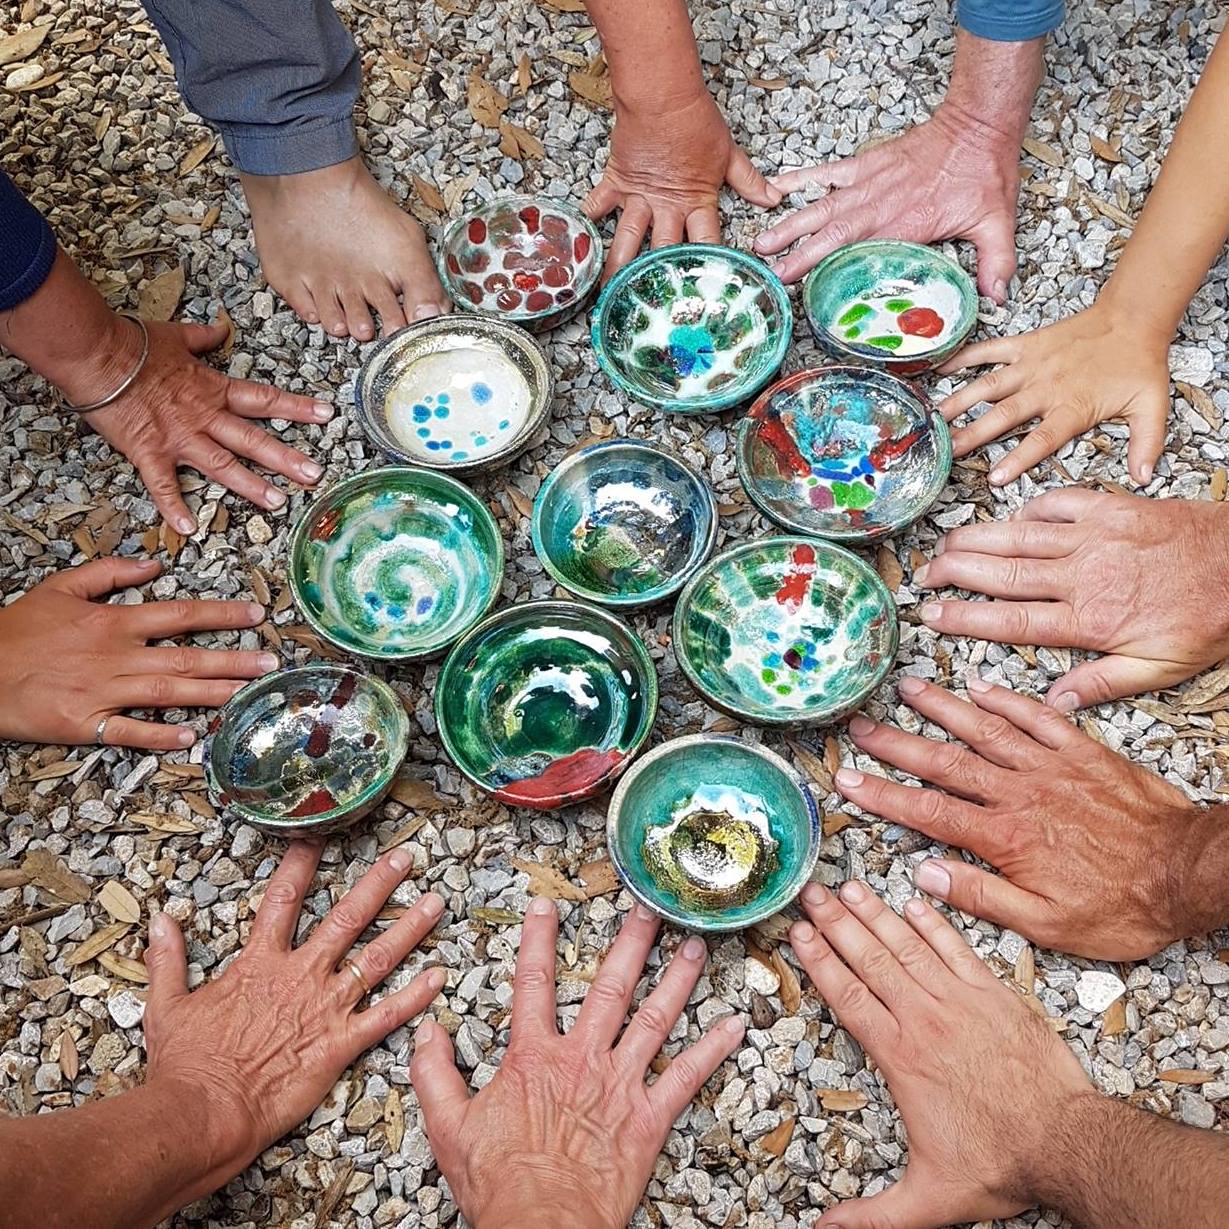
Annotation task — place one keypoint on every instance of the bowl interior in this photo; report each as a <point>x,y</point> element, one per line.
<point>396,562</point>
<point>623,523</point>
<point>848,453</point>
<point>692,326</point>
<point>305,745</point>
<point>713,833</point>
<point>522,258</point>
<point>785,631</point>
<point>454,392</point>
<point>545,703</point>
<point>887,299</point>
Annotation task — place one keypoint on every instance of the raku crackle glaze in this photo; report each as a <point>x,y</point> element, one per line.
<point>546,703</point>
<point>712,832</point>
<point>846,453</point>
<point>396,562</point>
<point>307,750</point>
<point>694,327</point>
<point>786,631</point>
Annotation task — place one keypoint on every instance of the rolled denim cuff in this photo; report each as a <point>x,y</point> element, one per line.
<point>1010,23</point>
<point>291,148</point>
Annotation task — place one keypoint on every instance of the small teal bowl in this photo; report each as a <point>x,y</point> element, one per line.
<point>693,328</point>
<point>902,306</point>
<point>713,833</point>
<point>623,523</point>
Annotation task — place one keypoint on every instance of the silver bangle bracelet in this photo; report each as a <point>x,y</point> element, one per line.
<point>124,384</point>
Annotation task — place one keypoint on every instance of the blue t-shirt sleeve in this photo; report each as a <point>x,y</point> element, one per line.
<point>1009,21</point>
<point>27,246</point>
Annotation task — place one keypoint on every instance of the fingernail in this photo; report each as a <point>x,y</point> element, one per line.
<point>853,892</point>
<point>910,686</point>
<point>147,565</point>
<point>256,613</point>
<point>802,932</point>
<point>426,1032</point>
<point>976,683</point>
<point>919,576</point>
<point>185,525</point>
<point>814,893</point>
<point>940,546</point>
<point>848,778</point>
<point>432,904</point>
<point>399,860</point>
<point>1145,472</point>
<point>187,738</point>
<point>645,914</point>
<point>159,928</point>
<point>322,412</point>
<point>310,470</point>
<point>732,1025</point>
<point>932,877</point>
<point>915,906</point>
<point>274,498</point>
<point>266,662</point>
<point>861,726</point>
<point>1067,702</point>
<point>694,948</point>
<point>540,906</point>
<point>436,979</point>
<point>931,612</point>
<point>998,477</point>
<point>999,289</point>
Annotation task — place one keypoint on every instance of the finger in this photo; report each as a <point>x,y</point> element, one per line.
<point>381,956</point>
<point>605,1006</point>
<point>1040,721</point>
<point>918,959</point>
<point>147,735</point>
<point>667,228</point>
<point>809,253</point>
<point>357,909</point>
<point>278,916</point>
<point>1110,678</point>
<point>601,200</point>
<point>1044,440</point>
<point>981,354</point>
<point>166,958</point>
<point>742,176</point>
<point>995,240</point>
<point>992,387</point>
<point>101,576</point>
<point>838,174</point>
<point>1148,422</point>
<point>687,1072</point>
<point>168,691</point>
<point>1040,623</point>
<point>201,663</point>
<point>250,399</point>
<point>218,462</point>
<point>704,226</point>
<point>248,440</point>
<point>656,1016</point>
<point>1018,539</point>
<point>629,234</point>
<point>993,737</point>
<point>162,620</point>
<point>1008,411</point>
<point>201,338</point>
<point>534,1011</point>
<point>899,1207</point>
<point>439,1086</point>
<point>948,943</point>
<point>947,765</point>
<point>370,1027</point>
<point>162,482</point>
<point>993,575</point>
<point>973,890</point>
<point>794,226</point>
<point>1068,503</point>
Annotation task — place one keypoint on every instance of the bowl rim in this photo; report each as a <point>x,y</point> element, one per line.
<point>520,199</point>
<point>702,548</point>
<point>792,719</point>
<point>850,535</point>
<point>664,750</point>
<point>491,328</point>
<point>692,405</point>
<point>369,795</point>
<point>355,482</point>
<point>546,607</point>
<point>923,251</point>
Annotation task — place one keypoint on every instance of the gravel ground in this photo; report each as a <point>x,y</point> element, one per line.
<point>102,145</point>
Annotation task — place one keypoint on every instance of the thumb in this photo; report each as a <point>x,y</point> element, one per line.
<point>442,1093</point>
<point>973,890</point>
<point>895,1208</point>
<point>1148,424</point>
<point>1109,678</point>
<point>600,201</point>
<point>101,576</point>
<point>167,962</point>
<point>995,238</point>
<point>201,338</point>
<point>742,176</point>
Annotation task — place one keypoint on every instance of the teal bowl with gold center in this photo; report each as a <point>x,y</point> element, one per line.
<point>692,328</point>
<point>713,833</point>
<point>546,703</point>
<point>786,631</point>
<point>396,563</point>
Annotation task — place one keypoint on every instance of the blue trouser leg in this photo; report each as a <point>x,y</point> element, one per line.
<point>277,78</point>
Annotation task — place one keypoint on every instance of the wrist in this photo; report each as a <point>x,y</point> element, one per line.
<point>1072,1149</point>
<point>1194,883</point>
<point>660,103</point>
<point>993,85</point>
<point>1119,305</point>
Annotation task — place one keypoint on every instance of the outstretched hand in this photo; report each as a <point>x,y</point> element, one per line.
<point>567,1132</point>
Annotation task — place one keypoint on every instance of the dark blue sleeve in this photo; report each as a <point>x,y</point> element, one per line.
<point>27,246</point>
<point>1009,21</point>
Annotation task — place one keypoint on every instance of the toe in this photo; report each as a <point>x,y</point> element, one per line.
<point>358,316</point>
<point>301,299</point>
<point>384,299</point>
<point>332,314</point>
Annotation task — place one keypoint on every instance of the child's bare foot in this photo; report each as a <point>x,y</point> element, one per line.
<point>337,247</point>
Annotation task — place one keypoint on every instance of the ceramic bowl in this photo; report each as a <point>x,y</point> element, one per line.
<point>307,751</point>
<point>845,453</point>
<point>692,328</point>
<point>454,393</point>
<point>546,703</point>
<point>785,631</point>
<point>528,259</point>
<point>902,306</point>
<point>396,563</point>
<point>712,832</point>
<point>623,523</point>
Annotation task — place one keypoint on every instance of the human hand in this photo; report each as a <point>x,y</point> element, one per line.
<point>1136,579</point>
<point>1097,856</point>
<point>567,1132</point>
<point>259,1048</point>
<point>1071,375</point>
<point>983,1085</point>
<point>665,171</point>
<point>67,661</point>
<point>951,177</point>
<point>180,411</point>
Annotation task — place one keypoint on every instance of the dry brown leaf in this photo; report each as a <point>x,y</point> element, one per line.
<point>413,792</point>
<point>46,870</point>
<point>198,153</point>
<point>429,194</point>
<point>810,764</point>
<point>777,83</point>
<point>160,295</point>
<point>125,967</point>
<point>172,540</point>
<point>1180,1076</point>
<point>210,220</point>
<point>593,83</point>
<point>1040,150</point>
<point>260,586</point>
<point>549,881</point>
<point>520,501</point>
<point>599,877</point>
<point>170,824</point>
<point>486,103</point>
<point>96,944</point>
<point>843,1100</point>
<point>309,640</point>
<point>200,806</point>
<point>1026,969</point>
<point>1205,689</point>
<point>836,821</point>
<point>564,6</point>
<point>776,1142</point>
<point>1220,483</point>
<point>394,1121</point>
<point>223,352</point>
<point>119,902</point>
<point>524,74</point>
<point>1200,400</point>
<point>23,44</point>
<point>888,567</point>
<point>791,990</point>
<point>13,877</point>
<point>50,772</point>
<point>1108,150</point>
<point>1114,1022</point>
<point>496,917</point>
<point>1109,210</point>
<point>528,146</point>
<point>66,1055</point>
